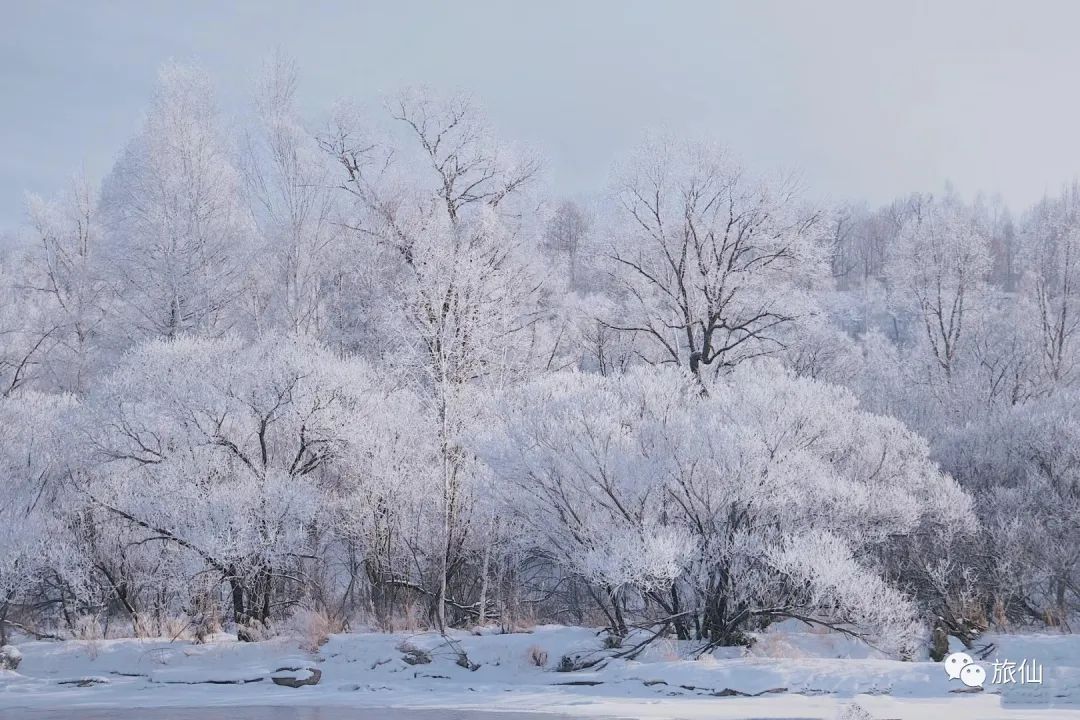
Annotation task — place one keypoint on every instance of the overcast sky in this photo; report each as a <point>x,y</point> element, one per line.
<point>867,99</point>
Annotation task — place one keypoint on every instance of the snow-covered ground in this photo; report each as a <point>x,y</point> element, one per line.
<point>794,673</point>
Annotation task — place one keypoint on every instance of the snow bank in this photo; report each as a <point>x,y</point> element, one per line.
<point>791,671</point>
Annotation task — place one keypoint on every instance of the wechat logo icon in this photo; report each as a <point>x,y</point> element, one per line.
<point>960,666</point>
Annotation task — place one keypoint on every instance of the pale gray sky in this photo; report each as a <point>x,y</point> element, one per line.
<point>867,99</point>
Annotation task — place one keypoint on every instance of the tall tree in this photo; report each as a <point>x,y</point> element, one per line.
<point>565,235</point>
<point>714,264</point>
<point>180,232</point>
<point>1052,255</point>
<point>457,268</point>
<point>67,277</point>
<point>290,190</point>
<point>941,263</point>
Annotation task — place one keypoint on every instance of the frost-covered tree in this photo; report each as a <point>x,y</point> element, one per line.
<point>714,263</point>
<point>455,262</point>
<point>66,275</point>
<point>179,234</point>
<point>565,237</point>
<point>1022,466</point>
<point>940,264</point>
<point>26,330</point>
<point>33,461</point>
<point>773,497</point>
<point>383,507</point>
<point>289,183</point>
<point>1051,249</point>
<point>221,450</point>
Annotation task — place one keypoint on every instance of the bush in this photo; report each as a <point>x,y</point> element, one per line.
<point>538,656</point>
<point>312,628</point>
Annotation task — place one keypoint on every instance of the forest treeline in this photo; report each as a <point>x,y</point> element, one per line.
<point>371,368</point>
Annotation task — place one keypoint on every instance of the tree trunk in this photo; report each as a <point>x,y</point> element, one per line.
<point>240,613</point>
<point>681,630</point>
<point>484,582</point>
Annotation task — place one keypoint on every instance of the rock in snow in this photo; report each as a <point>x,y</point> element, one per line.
<point>297,678</point>
<point>10,657</point>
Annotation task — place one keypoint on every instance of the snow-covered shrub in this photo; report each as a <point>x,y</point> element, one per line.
<point>771,496</point>
<point>37,507</point>
<point>312,629</point>
<point>854,711</point>
<point>88,629</point>
<point>225,454</point>
<point>10,657</point>
<point>1024,465</point>
<point>537,656</point>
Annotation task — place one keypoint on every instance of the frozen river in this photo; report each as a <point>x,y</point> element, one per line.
<point>267,713</point>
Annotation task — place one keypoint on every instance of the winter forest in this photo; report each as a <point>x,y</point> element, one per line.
<point>361,367</point>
